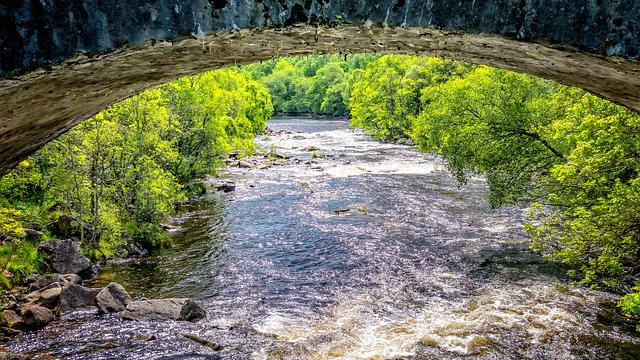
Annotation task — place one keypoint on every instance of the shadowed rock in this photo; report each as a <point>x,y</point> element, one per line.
<point>77,297</point>
<point>64,256</point>
<point>36,317</point>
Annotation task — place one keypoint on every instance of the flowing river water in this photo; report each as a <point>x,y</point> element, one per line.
<point>370,252</point>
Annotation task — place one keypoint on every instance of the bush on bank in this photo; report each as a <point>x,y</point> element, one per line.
<point>126,168</point>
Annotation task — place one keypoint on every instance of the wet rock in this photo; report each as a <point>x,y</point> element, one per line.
<point>170,228</point>
<point>191,311</point>
<point>36,317</point>
<point>113,298</point>
<point>245,164</point>
<point>64,256</point>
<point>144,337</point>
<point>91,272</point>
<point>205,342</point>
<point>226,187</point>
<point>155,309</point>
<point>77,297</point>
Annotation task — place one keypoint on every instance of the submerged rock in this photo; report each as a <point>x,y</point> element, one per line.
<point>113,298</point>
<point>164,309</point>
<point>64,256</point>
<point>12,356</point>
<point>36,317</point>
<point>155,309</point>
<point>77,297</point>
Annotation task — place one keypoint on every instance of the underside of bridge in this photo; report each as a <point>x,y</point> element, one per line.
<point>63,61</point>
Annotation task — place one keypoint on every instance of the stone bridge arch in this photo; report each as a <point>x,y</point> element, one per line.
<point>62,61</point>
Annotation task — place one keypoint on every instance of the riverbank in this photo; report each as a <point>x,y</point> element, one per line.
<point>369,252</point>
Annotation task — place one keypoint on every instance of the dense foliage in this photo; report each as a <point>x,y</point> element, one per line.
<point>318,85</point>
<point>386,97</point>
<point>128,166</point>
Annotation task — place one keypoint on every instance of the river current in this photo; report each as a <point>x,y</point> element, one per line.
<point>360,250</point>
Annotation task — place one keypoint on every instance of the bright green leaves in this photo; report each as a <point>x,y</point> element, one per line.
<point>10,224</point>
<point>630,304</point>
<point>386,97</point>
<point>494,122</point>
<point>126,168</point>
<point>217,113</point>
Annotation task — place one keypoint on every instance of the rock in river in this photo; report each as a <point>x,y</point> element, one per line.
<point>113,298</point>
<point>64,256</point>
<point>163,309</point>
<point>191,311</point>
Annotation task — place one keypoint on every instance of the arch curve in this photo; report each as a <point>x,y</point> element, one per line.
<point>63,61</point>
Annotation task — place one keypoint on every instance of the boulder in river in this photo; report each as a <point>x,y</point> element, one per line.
<point>113,298</point>
<point>163,309</point>
<point>191,311</point>
<point>36,317</point>
<point>77,297</point>
<point>155,309</point>
<point>64,256</point>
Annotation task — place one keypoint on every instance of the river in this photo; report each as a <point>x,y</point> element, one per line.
<point>368,251</point>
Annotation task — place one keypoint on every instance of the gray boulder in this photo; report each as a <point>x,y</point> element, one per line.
<point>155,309</point>
<point>36,317</point>
<point>113,298</point>
<point>64,256</point>
<point>66,279</point>
<point>48,297</point>
<point>77,297</point>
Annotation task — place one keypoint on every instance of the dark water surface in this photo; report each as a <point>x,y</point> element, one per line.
<point>416,269</point>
